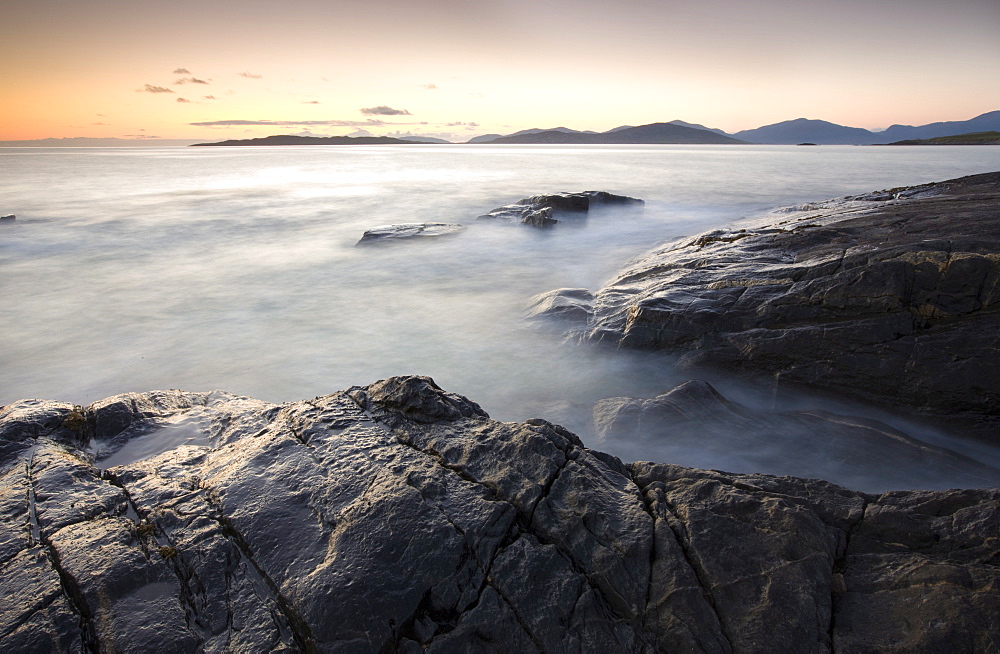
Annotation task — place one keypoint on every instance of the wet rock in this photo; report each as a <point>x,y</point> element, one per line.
<point>695,417</point>
<point>565,305</point>
<point>541,210</point>
<point>892,297</point>
<point>398,516</point>
<point>405,231</point>
<point>8,218</point>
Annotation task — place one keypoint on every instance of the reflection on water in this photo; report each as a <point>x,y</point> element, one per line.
<point>236,268</point>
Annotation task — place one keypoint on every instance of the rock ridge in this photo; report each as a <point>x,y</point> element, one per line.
<point>891,297</point>
<point>400,517</point>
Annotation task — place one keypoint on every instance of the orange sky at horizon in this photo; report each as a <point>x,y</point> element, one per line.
<point>185,70</point>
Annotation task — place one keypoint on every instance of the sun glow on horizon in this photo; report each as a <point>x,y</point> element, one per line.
<point>125,71</point>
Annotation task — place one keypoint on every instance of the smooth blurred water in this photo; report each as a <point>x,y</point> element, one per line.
<point>235,268</point>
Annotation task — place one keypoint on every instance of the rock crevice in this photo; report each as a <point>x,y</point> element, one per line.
<point>399,516</point>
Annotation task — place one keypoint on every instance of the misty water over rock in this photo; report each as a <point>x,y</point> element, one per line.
<point>547,210</point>
<point>407,231</point>
<point>400,517</point>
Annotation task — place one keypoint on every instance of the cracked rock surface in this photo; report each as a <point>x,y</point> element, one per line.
<point>892,297</point>
<point>400,517</point>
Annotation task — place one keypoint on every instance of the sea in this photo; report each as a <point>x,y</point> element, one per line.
<point>236,268</point>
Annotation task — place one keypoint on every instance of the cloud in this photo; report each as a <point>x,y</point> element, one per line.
<point>290,123</point>
<point>461,124</point>
<point>142,136</point>
<point>210,97</point>
<point>98,123</point>
<point>383,110</point>
<point>430,87</point>
<point>360,132</point>
<point>190,80</point>
<point>182,71</point>
<point>311,102</point>
<point>184,100</point>
<point>250,75</point>
<point>154,89</point>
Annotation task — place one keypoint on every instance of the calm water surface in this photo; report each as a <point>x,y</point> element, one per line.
<point>235,268</point>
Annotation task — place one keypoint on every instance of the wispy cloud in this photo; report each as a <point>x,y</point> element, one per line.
<point>189,80</point>
<point>184,100</point>
<point>430,87</point>
<point>461,124</point>
<point>182,71</point>
<point>98,123</point>
<point>383,110</point>
<point>291,123</point>
<point>250,75</point>
<point>311,102</point>
<point>210,97</point>
<point>142,136</point>
<point>149,88</point>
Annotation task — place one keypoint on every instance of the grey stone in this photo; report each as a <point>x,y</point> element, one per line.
<point>542,210</point>
<point>407,231</point>
<point>400,517</point>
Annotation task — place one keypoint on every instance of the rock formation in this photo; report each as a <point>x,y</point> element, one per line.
<point>541,210</point>
<point>403,231</point>
<point>891,297</point>
<point>400,517</point>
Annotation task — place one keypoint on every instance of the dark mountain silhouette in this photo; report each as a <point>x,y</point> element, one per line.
<point>423,139</point>
<point>484,138</point>
<point>697,126</point>
<point>653,133</point>
<point>805,130</point>
<point>988,122</point>
<point>288,139</point>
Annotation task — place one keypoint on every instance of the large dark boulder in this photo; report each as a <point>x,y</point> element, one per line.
<point>892,297</point>
<point>400,517</point>
<point>407,231</point>
<point>547,210</point>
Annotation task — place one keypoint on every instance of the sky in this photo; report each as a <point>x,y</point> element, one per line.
<point>454,69</point>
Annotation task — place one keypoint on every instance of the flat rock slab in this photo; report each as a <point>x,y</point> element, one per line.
<point>892,297</point>
<point>405,231</point>
<point>400,517</point>
<point>546,210</point>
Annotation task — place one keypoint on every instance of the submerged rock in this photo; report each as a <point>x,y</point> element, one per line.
<point>400,517</point>
<point>891,297</point>
<point>540,210</point>
<point>402,231</point>
<point>694,419</point>
<point>8,218</point>
<point>569,305</point>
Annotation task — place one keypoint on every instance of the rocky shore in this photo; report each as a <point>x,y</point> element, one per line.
<point>890,297</point>
<point>400,517</point>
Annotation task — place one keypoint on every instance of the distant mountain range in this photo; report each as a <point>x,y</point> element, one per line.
<point>675,132</point>
<point>789,132</point>
<point>288,139</point>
